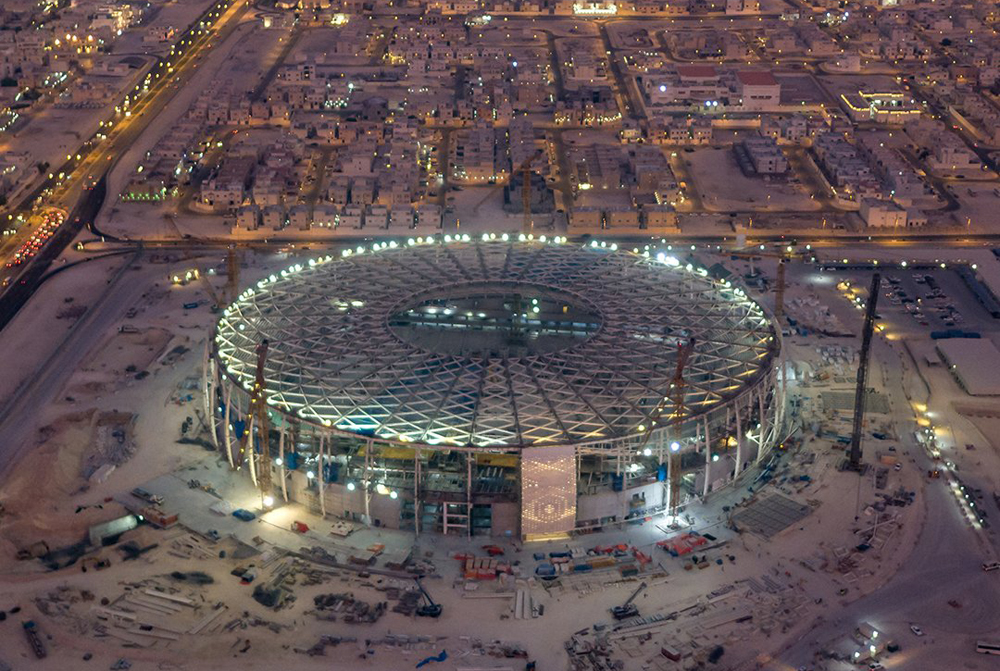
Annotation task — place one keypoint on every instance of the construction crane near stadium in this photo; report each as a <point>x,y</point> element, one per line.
<point>527,223</point>
<point>860,393</point>
<point>232,275</point>
<point>232,267</point>
<point>676,400</point>
<point>779,288</point>
<point>256,419</point>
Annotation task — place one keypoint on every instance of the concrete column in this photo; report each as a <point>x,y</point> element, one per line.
<point>469,458</point>
<point>281,456</point>
<point>763,424</point>
<point>251,459</point>
<point>416,491</point>
<point>739,440</point>
<point>208,397</point>
<point>670,482</point>
<point>226,437</point>
<point>364,481</point>
<point>780,410</point>
<point>320,486</point>
<point>708,459</point>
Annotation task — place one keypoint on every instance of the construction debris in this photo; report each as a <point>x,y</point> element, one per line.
<point>348,608</point>
<point>113,444</point>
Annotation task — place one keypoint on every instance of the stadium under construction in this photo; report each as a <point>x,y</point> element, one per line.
<point>501,385</point>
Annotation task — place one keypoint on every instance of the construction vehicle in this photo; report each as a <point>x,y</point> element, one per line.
<point>676,398</point>
<point>628,609</point>
<point>429,609</point>
<point>232,268</point>
<point>34,640</point>
<point>860,391</point>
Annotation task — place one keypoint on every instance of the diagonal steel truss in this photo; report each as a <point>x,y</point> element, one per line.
<point>336,362</point>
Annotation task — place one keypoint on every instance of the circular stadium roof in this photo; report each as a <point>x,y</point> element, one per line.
<point>493,343</point>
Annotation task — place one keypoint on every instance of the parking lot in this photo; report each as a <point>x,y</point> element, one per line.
<point>920,301</point>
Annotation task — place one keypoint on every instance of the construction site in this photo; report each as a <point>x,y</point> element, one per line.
<point>649,453</point>
<point>511,389</point>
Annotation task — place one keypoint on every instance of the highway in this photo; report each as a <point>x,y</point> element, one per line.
<point>66,358</point>
<point>84,189</point>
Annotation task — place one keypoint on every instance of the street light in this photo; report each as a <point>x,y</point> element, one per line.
<point>268,501</point>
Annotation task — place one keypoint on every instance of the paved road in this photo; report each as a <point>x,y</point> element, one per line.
<point>30,278</point>
<point>50,378</point>
<point>96,159</point>
<point>943,566</point>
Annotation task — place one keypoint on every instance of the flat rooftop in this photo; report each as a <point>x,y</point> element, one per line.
<point>974,362</point>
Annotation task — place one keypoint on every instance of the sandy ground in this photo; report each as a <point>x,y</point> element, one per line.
<point>710,166</point>
<point>41,329</point>
<point>803,558</point>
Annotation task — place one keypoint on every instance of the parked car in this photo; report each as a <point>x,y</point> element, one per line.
<point>243,514</point>
<point>917,631</point>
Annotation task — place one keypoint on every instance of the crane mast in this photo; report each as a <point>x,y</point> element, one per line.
<point>528,225</point>
<point>232,275</point>
<point>854,459</point>
<point>676,399</point>
<point>779,293</point>
<point>257,419</point>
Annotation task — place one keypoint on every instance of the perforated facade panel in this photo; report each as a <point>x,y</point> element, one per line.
<point>548,490</point>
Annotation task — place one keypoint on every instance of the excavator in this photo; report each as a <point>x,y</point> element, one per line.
<point>628,609</point>
<point>429,609</point>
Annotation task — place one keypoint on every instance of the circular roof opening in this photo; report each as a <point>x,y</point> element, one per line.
<point>502,319</point>
<point>382,343</point>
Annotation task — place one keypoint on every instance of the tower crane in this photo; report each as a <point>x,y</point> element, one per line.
<point>676,399</point>
<point>527,224</point>
<point>257,419</point>
<point>854,459</point>
<point>779,289</point>
<point>232,275</point>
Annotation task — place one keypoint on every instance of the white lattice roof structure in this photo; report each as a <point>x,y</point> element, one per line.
<point>494,343</point>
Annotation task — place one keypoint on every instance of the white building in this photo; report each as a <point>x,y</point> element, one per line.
<point>882,214</point>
